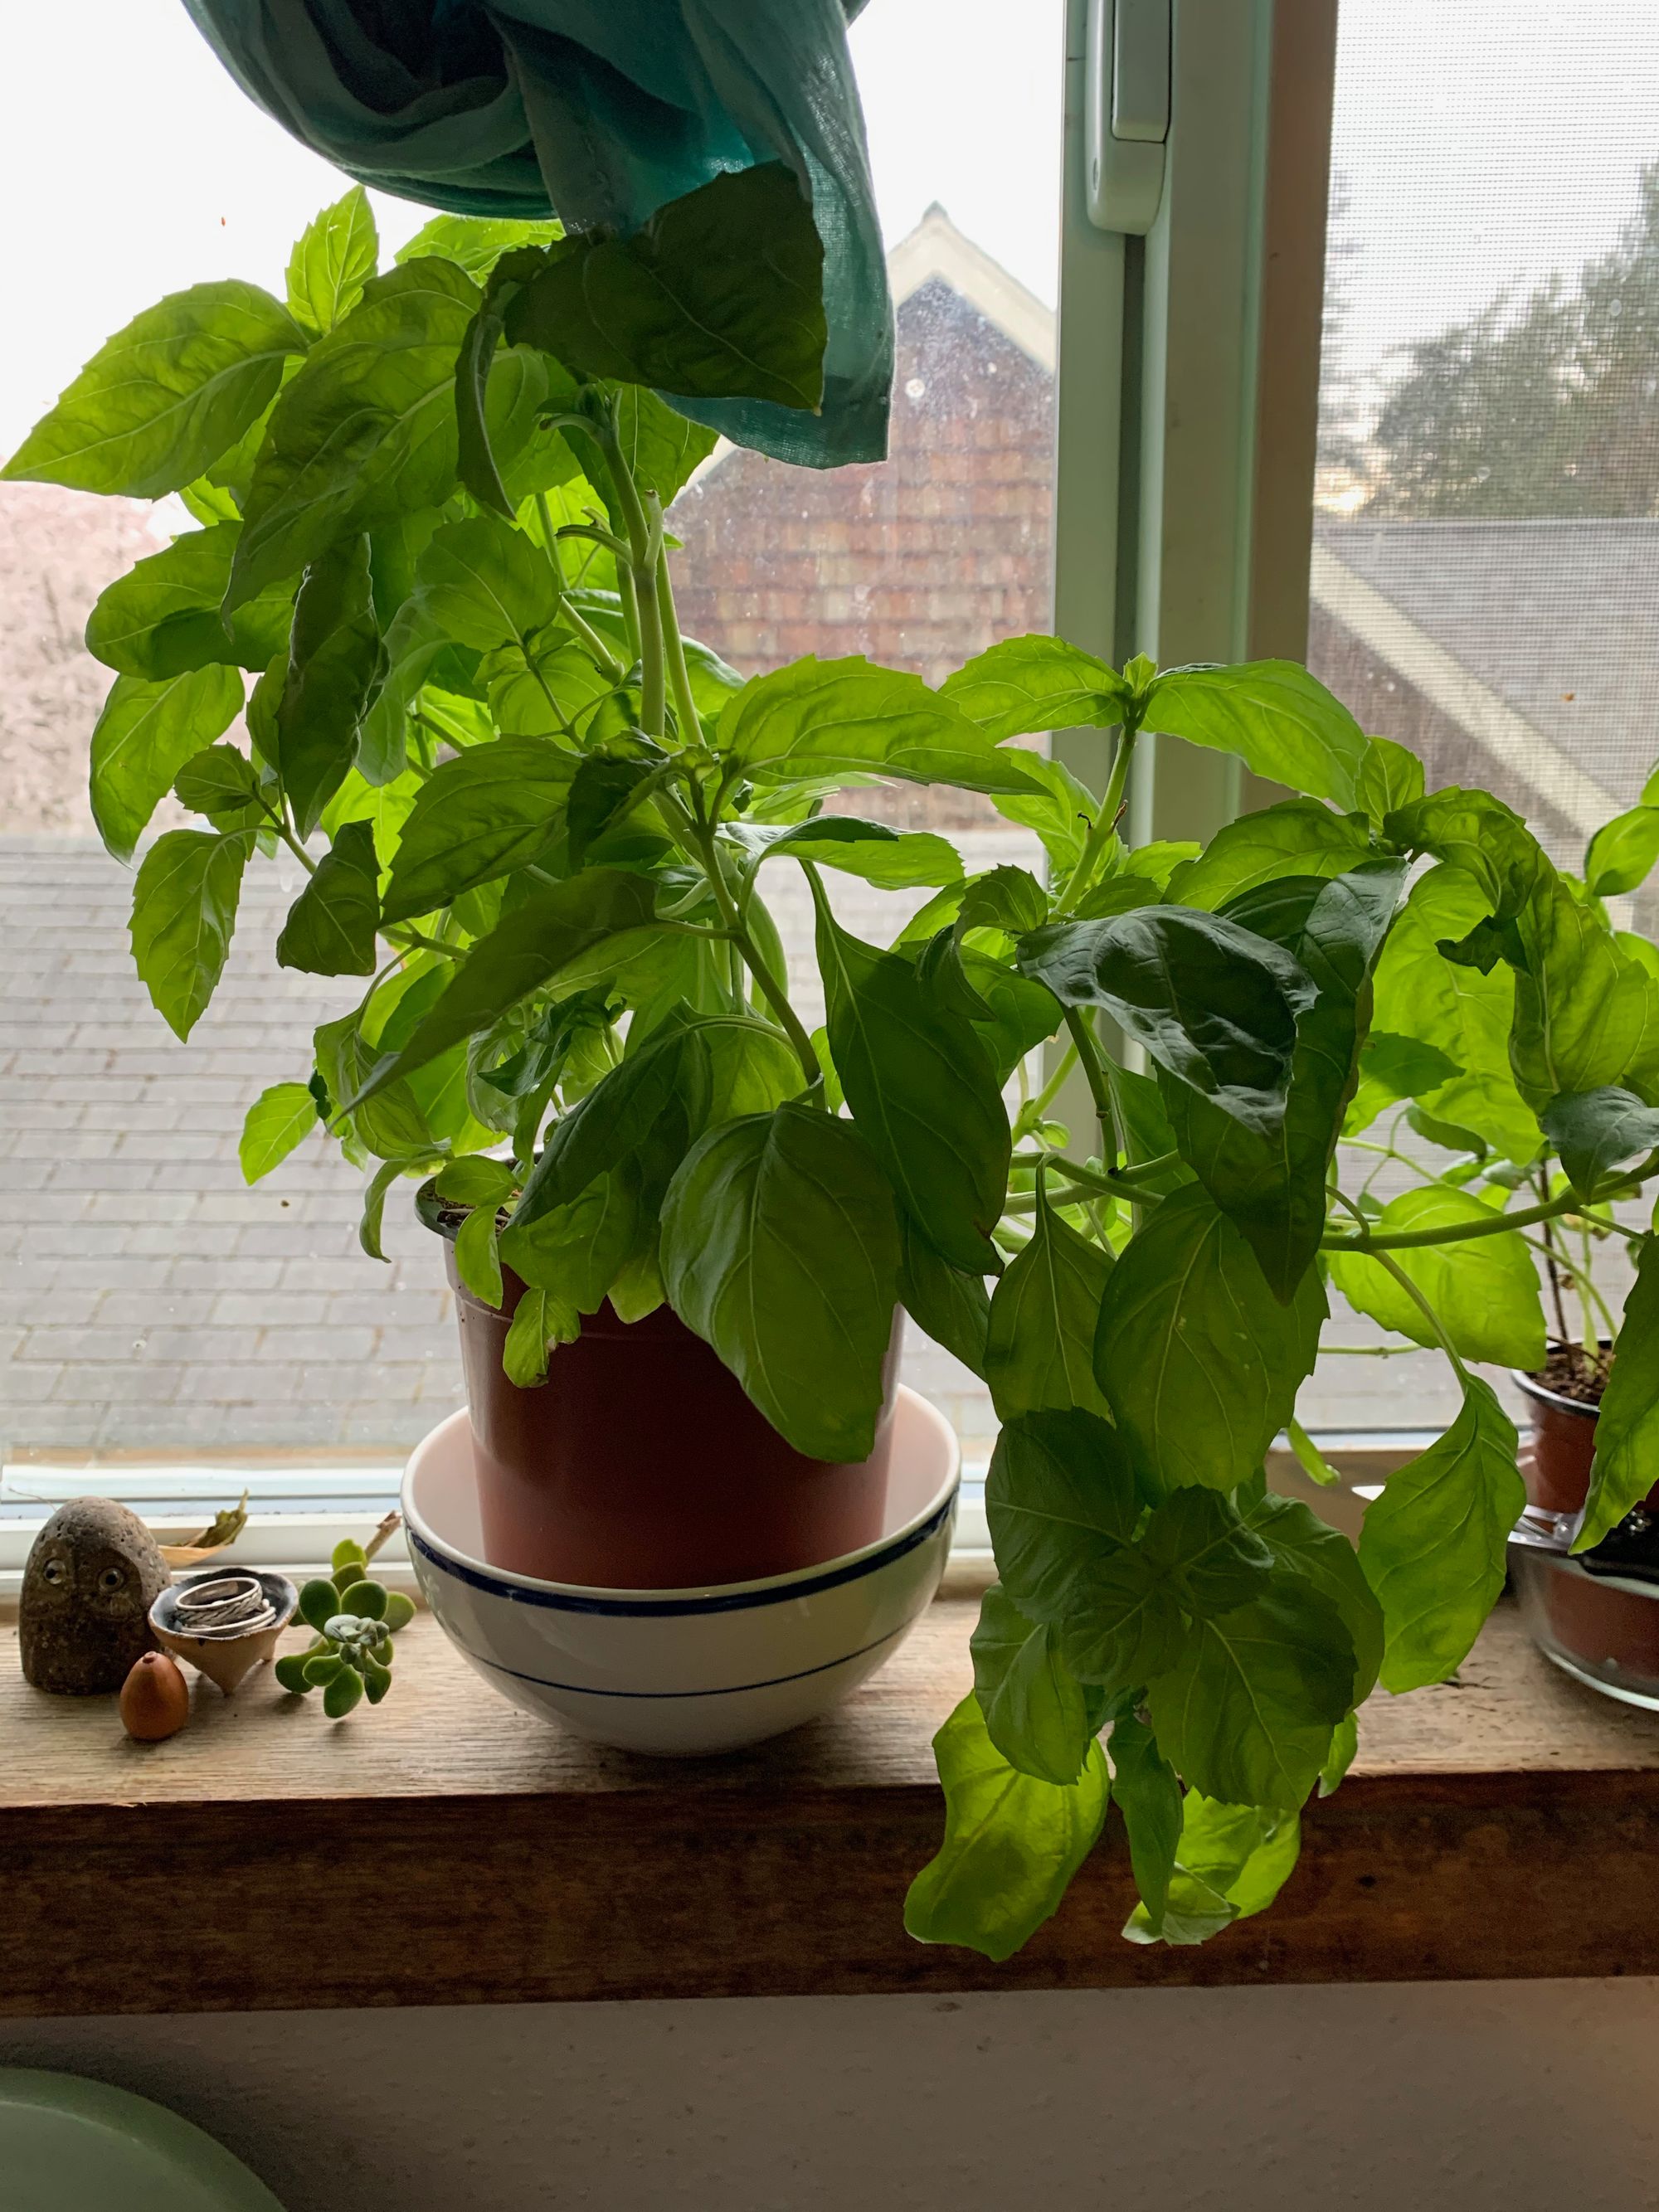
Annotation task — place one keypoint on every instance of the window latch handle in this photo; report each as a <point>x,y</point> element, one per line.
<point>1126,111</point>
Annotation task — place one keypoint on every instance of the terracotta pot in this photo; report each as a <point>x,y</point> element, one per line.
<point>639,1463</point>
<point>1557,1469</point>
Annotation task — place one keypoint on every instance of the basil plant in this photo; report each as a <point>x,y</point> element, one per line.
<point>540,825</point>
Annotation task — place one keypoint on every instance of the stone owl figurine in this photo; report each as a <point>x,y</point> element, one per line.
<point>84,1617</point>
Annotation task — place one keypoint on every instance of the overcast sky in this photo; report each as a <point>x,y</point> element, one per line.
<point>1485,143</point>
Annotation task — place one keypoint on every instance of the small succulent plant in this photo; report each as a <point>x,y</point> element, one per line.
<point>355,1619</point>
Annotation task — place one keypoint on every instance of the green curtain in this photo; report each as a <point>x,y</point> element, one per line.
<point>597,111</point>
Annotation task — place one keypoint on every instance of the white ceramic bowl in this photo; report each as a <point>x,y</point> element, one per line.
<point>684,1672</point>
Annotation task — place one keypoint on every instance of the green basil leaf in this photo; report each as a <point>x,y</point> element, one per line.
<point>922,1091</point>
<point>330,926</point>
<point>616,1117</point>
<point>159,404</point>
<point>332,656</point>
<point>1628,1425</point>
<point>1056,804</point>
<point>1039,1347</point>
<point>163,617</point>
<point>780,1248</point>
<point>1012,1843</point>
<point>1465,1015</point>
<point>148,730</point>
<point>541,689</point>
<point>1390,778</point>
<point>1345,1748</point>
<point>577,1251</point>
<point>1145,1791</point>
<point>1061,1501</point>
<point>1201,1362</point>
<point>1392,1068</point>
<point>1279,721</point>
<point>475,1181</point>
<point>1299,1540</point>
<point>524,951</point>
<point>1212,1003</point>
<point>663,450</point>
<point>1231,1862</point>
<point>849,718</point>
<point>1213,1559</point>
<point>183,910</point>
<point>894,858</point>
<point>391,1125</point>
<point>279,1119</point>
<point>945,1303</point>
<point>1479,835</point>
<point>1484,1289</point>
<point>1023,686</point>
<point>718,295</point>
<point>365,432</point>
<point>1299,837</point>
<point>1246,1711</point>
<point>477,1255</point>
<point>1620,856</point>
<point>602,793</point>
<point>1036,1713</point>
<point>477,817</point>
<point>483,584</point>
<point>1274,1188</point>
<point>1127,1628</point>
<point>337,254</point>
<point>218,780</point>
<point>1432,1545</point>
<point>1597,1131</point>
<point>1582,1002</point>
<point>475,243</point>
<point>540,1320</point>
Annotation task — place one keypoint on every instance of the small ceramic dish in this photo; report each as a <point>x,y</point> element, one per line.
<point>225,1655</point>
<point>679,1673</point>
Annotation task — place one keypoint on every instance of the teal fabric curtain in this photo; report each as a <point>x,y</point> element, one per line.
<point>597,111</point>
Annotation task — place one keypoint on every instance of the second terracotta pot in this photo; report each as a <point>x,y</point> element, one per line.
<point>640,1463</point>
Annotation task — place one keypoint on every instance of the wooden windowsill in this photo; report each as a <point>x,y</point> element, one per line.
<point>447,1849</point>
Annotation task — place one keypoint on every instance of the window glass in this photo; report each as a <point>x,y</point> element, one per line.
<point>151,1303</point>
<point>1486,527</point>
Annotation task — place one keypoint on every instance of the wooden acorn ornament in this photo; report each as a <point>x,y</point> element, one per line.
<point>92,1575</point>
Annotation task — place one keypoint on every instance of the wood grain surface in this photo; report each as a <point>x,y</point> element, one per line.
<point>447,1849</point>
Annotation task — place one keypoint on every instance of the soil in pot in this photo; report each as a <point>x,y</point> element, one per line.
<point>641,1464</point>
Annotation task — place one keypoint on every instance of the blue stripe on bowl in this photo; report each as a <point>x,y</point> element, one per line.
<point>670,1608</point>
<point>659,1697</point>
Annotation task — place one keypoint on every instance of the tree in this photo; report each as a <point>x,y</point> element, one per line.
<point>1547,409</point>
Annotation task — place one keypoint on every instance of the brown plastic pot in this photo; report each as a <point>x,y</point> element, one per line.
<point>1557,1469</point>
<point>639,1463</point>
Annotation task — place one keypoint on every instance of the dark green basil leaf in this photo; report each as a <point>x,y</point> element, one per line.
<point>183,910</point>
<point>1012,1843</point>
<point>1627,1426</point>
<point>1201,1362</point>
<point>1036,1713</point>
<point>602,794</point>
<point>1146,1792</point>
<point>332,656</point>
<point>849,718</point>
<point>1127,1628</point>
<point>481,583</point>
<point>217,781</point>
<point>330,926</point>
<point>525,951</point>
<point>335,256</point>
<point>945,1303</point>
<point>477,817</point>
<point>780,1248</point>
<point>1279,721</point>
<point>1061,1501</point>
<point>1582,1002</point>
<point>1597,1131</point>
<point>922,1091</point>
<point>1274,1188</point>
<point>1298,1539</point>
<point>616,1116</point>
<point>1212,1002</point>
<point>365,432</point>
<point>1299,837</point>
<point>718,295</point>
<point>159,404</point>
<point>575,1252</point>
<point>1039,1349</point>
<point>1023,686</point>
<point>1246,1711</point>
<point>149,729</point>
<point>1484,1289</point>
<point>1432,1545</point>
<point>1210,1555</point>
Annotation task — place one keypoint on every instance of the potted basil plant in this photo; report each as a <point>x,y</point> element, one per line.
<point>539,824</point>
